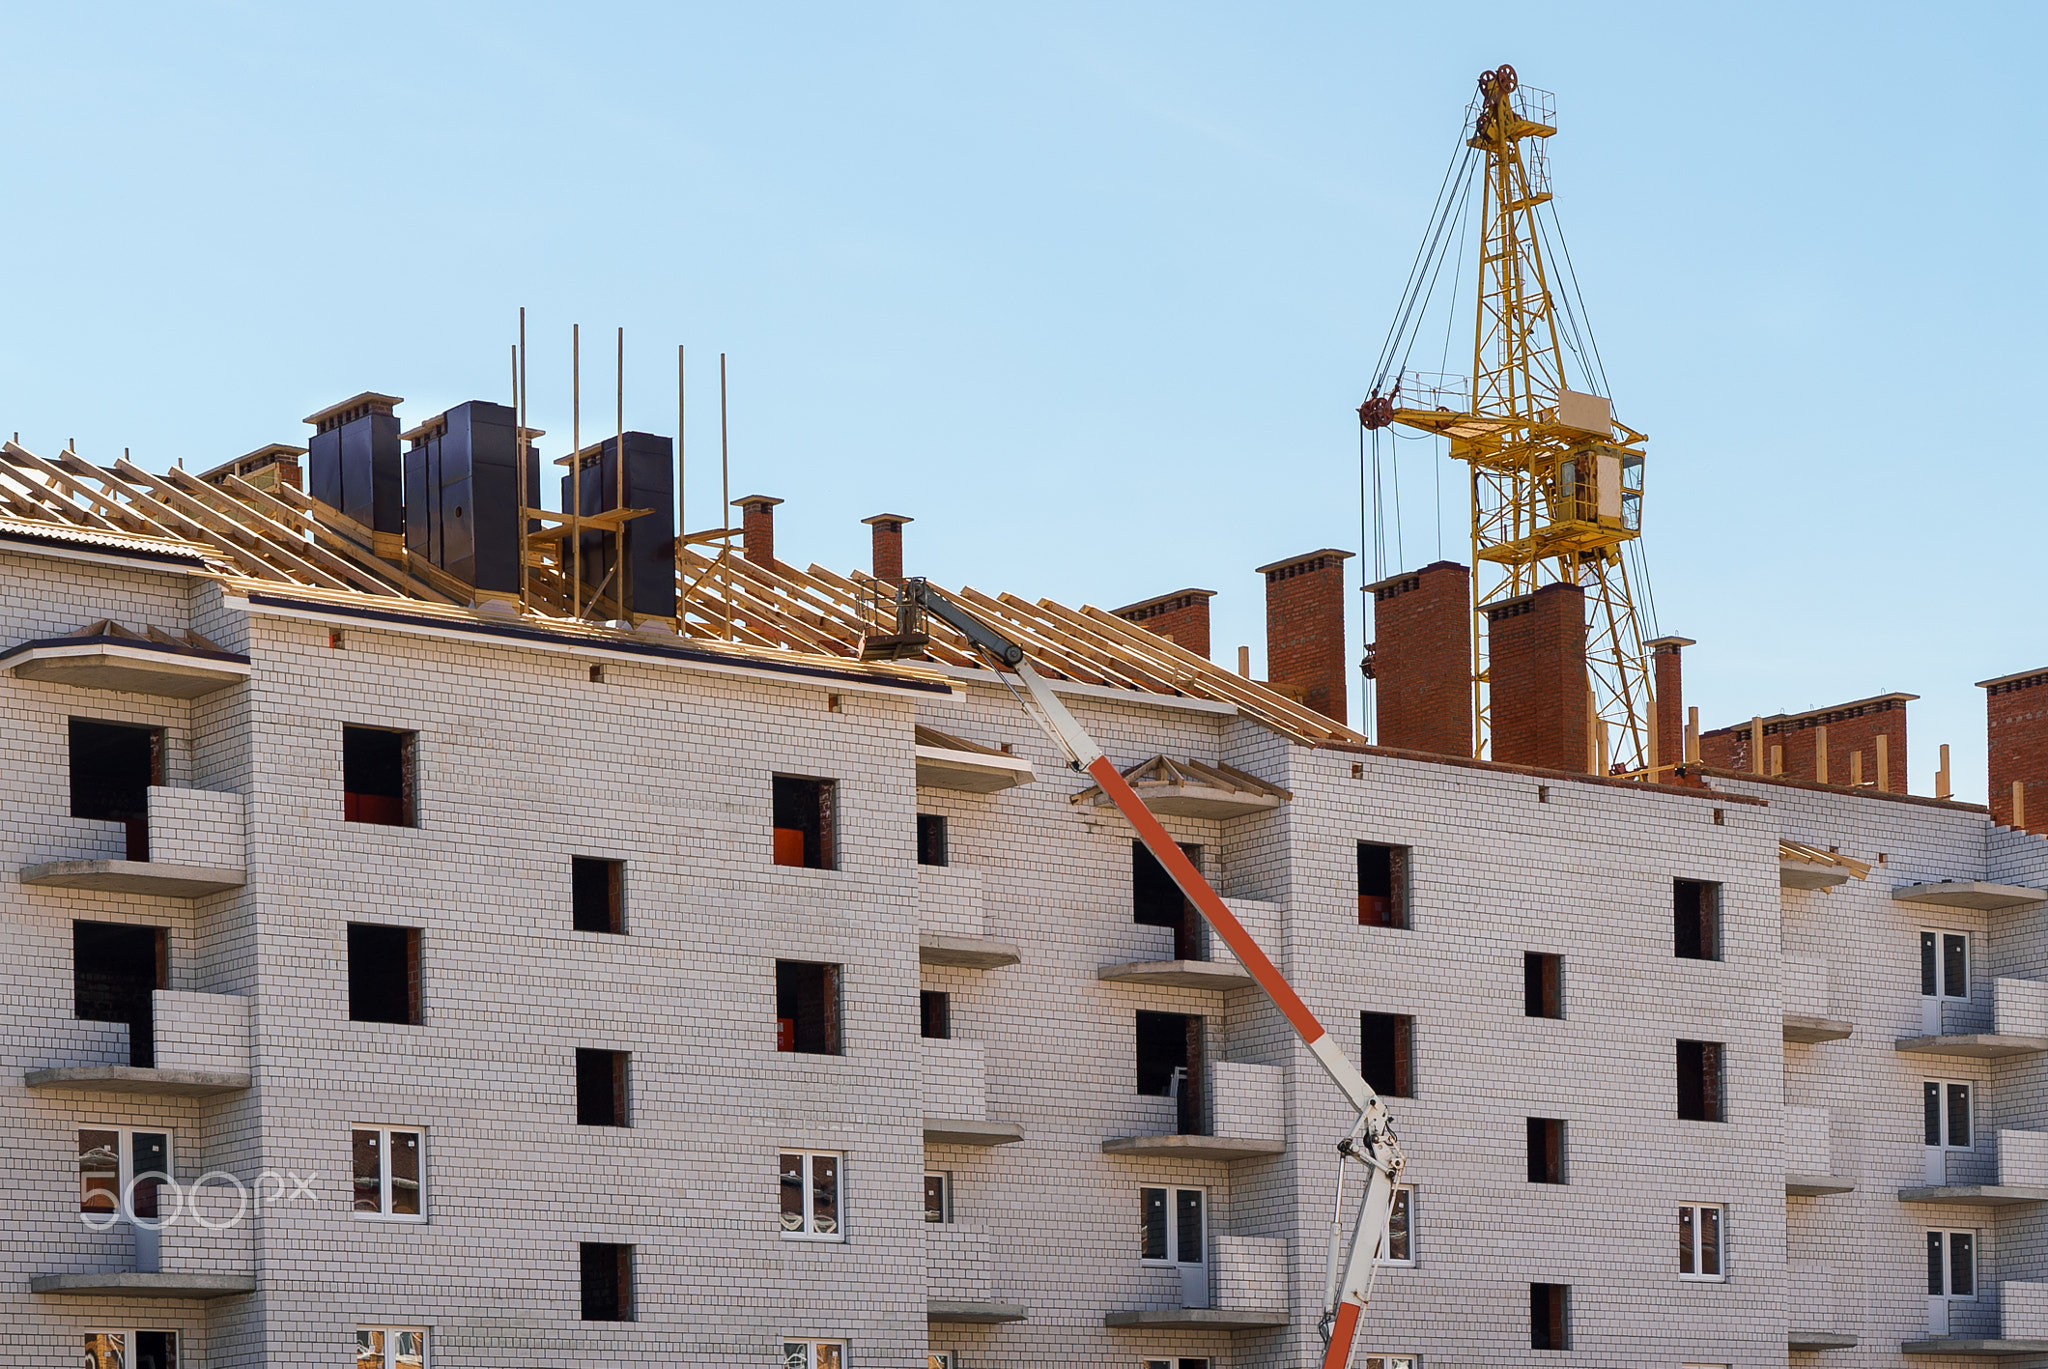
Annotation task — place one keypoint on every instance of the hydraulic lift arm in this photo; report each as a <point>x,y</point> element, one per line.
<point>1370,1144</point>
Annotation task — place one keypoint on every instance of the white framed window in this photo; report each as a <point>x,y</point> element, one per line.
<point>1182,1363</point>
<point>814,1354</point>
<point>938,1359</point>
<point>1944,964</point>
<point>1174,1225</point>
<point>131,1349</point>
<point>938,1196</point>
<point>1391,1362</point>
<point>1702,1241</point>
<point>1401,1227</point>
<point>812,1199</point>
<point>1952,1265</point>
<point>391,1347</point>
<point>120,1166</point>
<point>390,1173</point>
<point>1945,1109</point>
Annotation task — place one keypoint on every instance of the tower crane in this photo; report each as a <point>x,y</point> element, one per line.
<point>1368,1155</point>
<point>1557,481</point>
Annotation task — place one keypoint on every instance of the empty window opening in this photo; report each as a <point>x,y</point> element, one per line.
<point>807,1007</point>
<point>1944,964</point>
<point>1170,1064</point>
<point>803,822</point>
<point>598,893</point>
<point>1386,1053</point>
<point>811,1199</point>
<point>383,974</point>
<point>1695,919</point>
<point>1546,1150</point>
<point>1550,1307</point>
<point>1952,1264</point>
<point>1174,1230</point>
<point>1156,901</point>
<point>931,839</point>
<point>377,776</point>
<point>1388,1362</point>
<point>131,1350</point>
<point>935,1015</point>
<point>1700,1094</point>
<point>1182,1363</point>
<point>602,1088</point>
<point>112,767</point>
<point>120,1170</point>
<point>389,1175</point>
<point>115,971</point>
<point>607,1281</point>
<point>1382,885</point>
<point>1945,1107</point>
<point>1699,1241</point>
<point>391,1347</point>
<point>1542,984</point>
<point>814,1354</point>
<point>1401,1227</point>
<point>938,1196</point>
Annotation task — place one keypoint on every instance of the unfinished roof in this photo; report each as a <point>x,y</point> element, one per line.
<point>1194,790</point>
<point>283,542</point>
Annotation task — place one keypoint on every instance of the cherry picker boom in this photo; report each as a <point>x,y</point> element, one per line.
<point>1370,1144</point>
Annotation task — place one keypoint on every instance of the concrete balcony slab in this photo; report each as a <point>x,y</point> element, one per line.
<point>1817,1185</point>
<point>1195,1319</point>
<point>1974,1045</point>
<point>967,1131</point>
<point>1970,893</point>
<point>1819,1340</point>
<point>1975,1195</point>
<point>134,877</point>
<point>967,952</point>
<point>1973,1345</point>
<point>1178,974</point>
<point>162,1083</point>
<point>1803,1028</point>
<point>130,1284</point>
<point>1193,1147</point>
<point>975,1313</point>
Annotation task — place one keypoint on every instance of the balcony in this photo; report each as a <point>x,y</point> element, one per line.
<point>201,1049</point>
<point>1801,866</point>
<point>1808,1003</point>
<point>106,655</point>
<point>1191,789</point>
<point>2015,1322</point>
<point>1220,970</point>
<point>955,1097</point>
<point>952,928</point>
<point>948,762</point>
<point>960,1285</point>
<point>2012,1171</point>
<point>185,1258</point>
<point>1244,1120</point>
<point>1970,893</point>
<point>190,845</point>
<point>1809,1168</point>
<point>1813,1305</point>
<point>1243,1288</point>
<point>2019,1025</point>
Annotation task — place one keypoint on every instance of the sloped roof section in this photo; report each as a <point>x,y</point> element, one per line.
<point>1191,789</point>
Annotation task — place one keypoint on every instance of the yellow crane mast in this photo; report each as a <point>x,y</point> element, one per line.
<point>1557,483</point>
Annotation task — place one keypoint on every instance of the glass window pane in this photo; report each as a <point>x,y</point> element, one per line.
<point>107,1350</point>
<point>935,1197</point>
<point>369,1180</point>
<point>793,1194</point>
<point>1930,1102</point>
<point>1935,1265</point>
<point>1188,1215</point>
<point>156,1350</point>
<point>1710,1241</point>
<point>1685,1240</point>
<point>825,1194</point>
<point>405,1183</point>
<point>1955,966</point>
<point>411,1350</point>
<point>829,1357</point>
<point>1959,1115</point>
<point>1153,1223</point>
<point>1962,1264</point>
<point>369,1350</point>
<point>99,1171</point>
<point>1928,986</point>
<point>1398,1247</point>
<point>149,1154</point>
<point>795,1355</point>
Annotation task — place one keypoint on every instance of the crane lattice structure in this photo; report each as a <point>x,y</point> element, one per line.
<point>1557,484</point>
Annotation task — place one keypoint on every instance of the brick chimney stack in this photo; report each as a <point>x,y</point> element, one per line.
<point>1669,683</point>
<point>1181,617</point>
<point>1305,629</point>
<point>2016,735</point>
<point>1536,655</point>
<point>888,545</point>
<point>757,530</point>
<point>1422,659</point>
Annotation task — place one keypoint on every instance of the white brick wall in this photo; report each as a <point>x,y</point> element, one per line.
<point>196,827</point>
<point>1246,1101</point>
<point>955,1079</point>
<point>1806,1141</point>
<point>201,1031</point>
<point>1248,1273</point>
<point>2020,1006</point>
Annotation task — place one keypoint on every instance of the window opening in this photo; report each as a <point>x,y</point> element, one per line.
<point>377,776</point>
<point>1945,1106</point>
<point>112,767</point>
<point>598,894</point>
<point>1387,1053</point>
<point>115,971</point>
<point>1401,1227</point>
<point>1700,1093</point>
<point>607,1281</point>
<point>1695,919</point>
<point>383,974</point>
<point>803,822</point>
<point>1382,885</point>
<point>807,1007</point>
<point>1550,1316</point>
<point>935,1014</point>
<point>1951,1264</point>
<point>810,1195</point>
<point>112,1350</point>
<point>1542,984</point>
<point>931,839</point>
<point>1546,1150</point>
<point>814,1354</point>
<point>389,1177</point>
<point>1156,901</point>
<point>120,1170</point>
<point>602,1092</point>
<point>1699,1240</point>
<point>1174,1229</point>
<point>938,1196</point>
<point>1944,964</point>
<point>391,1347</point>
<point>1170,1064</point>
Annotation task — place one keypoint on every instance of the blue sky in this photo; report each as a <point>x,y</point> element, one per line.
<point>1088,290</point>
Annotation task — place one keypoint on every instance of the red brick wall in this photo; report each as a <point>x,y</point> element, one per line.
<point>2016,717</point>
<point>888,549</point>
<point>1851,728</point>
<point>1305,629</point>
<point>1422,659</point>
<point>1670,687</point>
<point>1536,669</point>
<point>758,530</point>
<point>1182,615</point>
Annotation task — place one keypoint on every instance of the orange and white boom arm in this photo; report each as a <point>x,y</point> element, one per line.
<point>1371,1141</point>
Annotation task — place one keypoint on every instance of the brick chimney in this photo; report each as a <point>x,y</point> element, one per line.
<point>1852,731</point>
<point>1536,663</point>
<point>1669,683</point>
<point>758,528</point>
<point>1181,617</point>
<point>1305,629</point>
<point>2016,732</point>
<point>888,545</point>
<point>1421,661</point>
